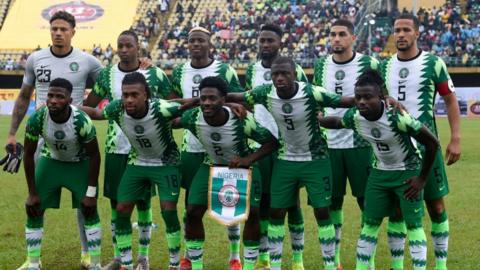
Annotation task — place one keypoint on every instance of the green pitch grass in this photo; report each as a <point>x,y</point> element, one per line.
<point>61,248</point>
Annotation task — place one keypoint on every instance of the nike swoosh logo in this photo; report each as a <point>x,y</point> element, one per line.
<point>93,233</point>
<point>43,66</point>
<point>417,210</point>
<point>328,198</point>
<point>174,194</point>
<point>442,188</point>
<point>337,84</point>
<point>256,199</point>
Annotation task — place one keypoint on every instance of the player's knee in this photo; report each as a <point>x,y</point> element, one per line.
<point>435,207</point>
<point>164,205</point>
<point>322,213</point>
<point>361,202</point>
<point>337,203</point>
<point>278,213</point>
<point>254,215</point>
<point>125,208</point>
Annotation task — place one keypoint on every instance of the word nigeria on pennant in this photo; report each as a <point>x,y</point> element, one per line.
<point>229,194</point>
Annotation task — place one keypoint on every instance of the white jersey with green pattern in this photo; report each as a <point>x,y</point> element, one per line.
<point>415,84</point>
<point>340,78</point>
<point>185,82</point>
<point>151,137</point>
<point>390,137</point>
<point>43,67</point>
<point>109,85</point>
<point>300,136</point>
<point>223,143</point>
<point>257,75</point>
<point>63,141</point>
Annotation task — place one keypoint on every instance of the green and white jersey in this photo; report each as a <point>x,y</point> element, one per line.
<point>300,136</point>
<point>340,78</point>
<point>185,82</point>
<point>223,143</point>
<point>43,66</point>
<point>415,84</point>
<point>257,75</point>
<point>390,137</point>
<point>151,137</point>
<point>109,85</point>
<point>63,141</point>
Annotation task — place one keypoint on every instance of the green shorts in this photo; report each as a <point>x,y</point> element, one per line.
<point>354,164</point>
<point>199,189</point>
<point>289,176</point>
<point>115,165</point>
<point>138,180</point>
<point>437,182</point>
<point>266,165</point>
<point>189,164</point>
<point>384,189</point>
<point>52,175</point>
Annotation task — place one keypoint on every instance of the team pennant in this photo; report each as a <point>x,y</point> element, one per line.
<point>229,194</point>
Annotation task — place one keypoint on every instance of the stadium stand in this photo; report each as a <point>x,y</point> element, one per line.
<point>451,31</point>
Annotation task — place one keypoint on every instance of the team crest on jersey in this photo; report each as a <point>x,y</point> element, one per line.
<point>287,108</point>
<point>197,78</point>
<point>340,75</point>
<point>139,129</point>
<point>228,195</point>
<point>403,73</point>
<point>59,134</point>
<point>267,76</point>
<point>82,11</point>
<point>376,133</point>
<point>74,66</point>
<point>216,136</point>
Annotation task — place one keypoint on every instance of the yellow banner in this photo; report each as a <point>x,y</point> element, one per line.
<point>98,22</point>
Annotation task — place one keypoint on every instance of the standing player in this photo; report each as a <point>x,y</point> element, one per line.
<point>43,66</point>
<point>259,73</point>
<point>152,160</point>
<point>302,157</point>
<point>185,82</point>
<point>70,159</point>
<point>109,85</point>
<point>350,154</point>
<point>414,78</point>
<point>398,175</point>
<point>224,136</point>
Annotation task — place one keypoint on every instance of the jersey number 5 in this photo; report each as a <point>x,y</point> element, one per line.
<point>401,93</point>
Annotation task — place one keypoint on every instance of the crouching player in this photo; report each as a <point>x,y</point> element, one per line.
<point>69,159</point>
<point>224,136</point>
<point>398,174</point>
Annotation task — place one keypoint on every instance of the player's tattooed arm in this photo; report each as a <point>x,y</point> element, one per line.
<point>19,111</point>
<point>93,113</point>
<point>32,205</point>
<point>452,153</point>
<point>90,203</point>
<point>245,162</point>
<point>417,183</point>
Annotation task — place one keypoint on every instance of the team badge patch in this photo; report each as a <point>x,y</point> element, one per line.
<point>376,133</point>
<point>340,75</point>
<point>74,66</point>
<point>267,76</point>
<point>216,136</point>
<point>59,134</point>
<point>229,194</point>
<point>82,11</point>
<point>197,78</point>
<point>139,129</point>
<point>287,108</point>
<point>403,73</point>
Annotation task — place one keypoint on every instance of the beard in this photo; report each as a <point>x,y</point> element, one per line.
<point>406,48</point>
<point>268,55</point>
<point>338,50</point>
